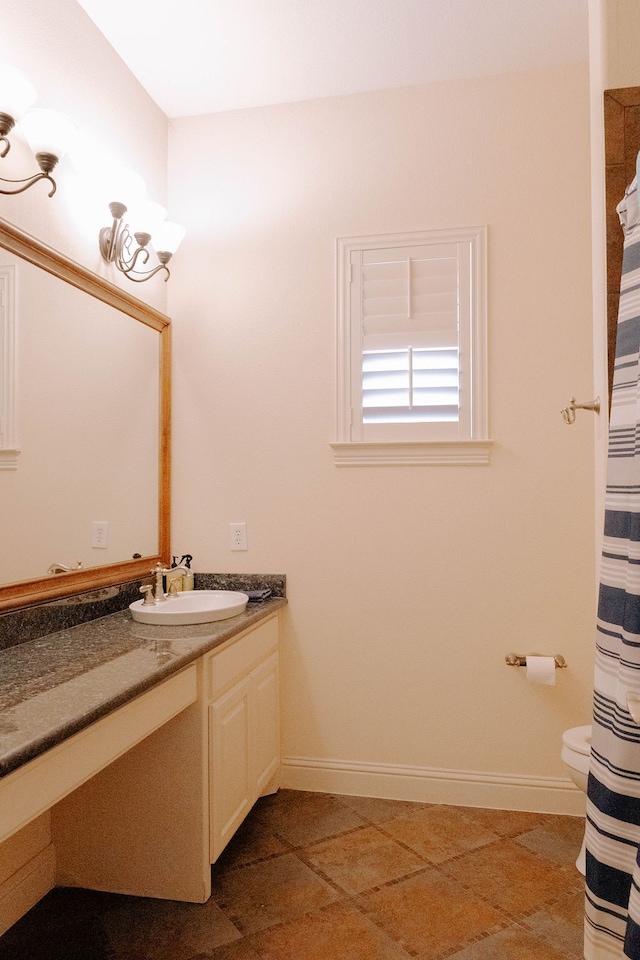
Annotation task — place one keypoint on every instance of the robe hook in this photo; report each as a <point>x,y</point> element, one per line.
<point>569,413</point>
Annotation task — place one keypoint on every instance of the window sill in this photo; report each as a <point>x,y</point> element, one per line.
<point>9,459</point>
<point>453,452</point>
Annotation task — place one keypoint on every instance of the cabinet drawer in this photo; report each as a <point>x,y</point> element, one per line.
<point>239,658</point>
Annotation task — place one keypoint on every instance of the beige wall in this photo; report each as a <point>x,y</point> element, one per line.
<point>407,585</point>
<point>597,72</point>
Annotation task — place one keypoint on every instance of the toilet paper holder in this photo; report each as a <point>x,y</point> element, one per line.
<point>517,660</point>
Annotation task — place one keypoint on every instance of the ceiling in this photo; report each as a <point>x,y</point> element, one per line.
<point>204,56</point>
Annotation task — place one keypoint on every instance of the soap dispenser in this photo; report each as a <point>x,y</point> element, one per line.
<point>176,578</point>
<point>187,579</point>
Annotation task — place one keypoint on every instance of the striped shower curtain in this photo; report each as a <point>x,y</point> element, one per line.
<point>612,902</point>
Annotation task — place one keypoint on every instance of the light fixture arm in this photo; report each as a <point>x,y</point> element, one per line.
<point>141,277</point>
<point>48,133</point>
<point>138,252</point>
<point>28,182</point>
<point>46,162</point>
<point>116,242</point>
<point>109,239</point>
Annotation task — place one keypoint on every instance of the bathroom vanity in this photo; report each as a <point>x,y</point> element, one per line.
<point>130,753</point>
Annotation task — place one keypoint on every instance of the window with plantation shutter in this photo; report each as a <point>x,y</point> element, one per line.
<point>411,349</point>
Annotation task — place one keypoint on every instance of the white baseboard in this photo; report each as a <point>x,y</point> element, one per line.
<point>26,886</point>
<point>466,788</point>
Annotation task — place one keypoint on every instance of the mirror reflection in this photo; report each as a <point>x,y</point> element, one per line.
<point>84,487</point>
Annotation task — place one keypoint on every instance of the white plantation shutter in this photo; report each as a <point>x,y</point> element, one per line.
<point>411,338</point>
<point>409,309</point>
<point>409,385</point>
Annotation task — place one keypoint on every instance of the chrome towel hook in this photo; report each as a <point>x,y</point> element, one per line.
<point>569,413</point>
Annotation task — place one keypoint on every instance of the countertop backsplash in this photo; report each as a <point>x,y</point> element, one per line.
<point>277,583</point>
<point>39,620</point>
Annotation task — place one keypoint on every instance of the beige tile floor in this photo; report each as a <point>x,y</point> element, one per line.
<point>322,877</point>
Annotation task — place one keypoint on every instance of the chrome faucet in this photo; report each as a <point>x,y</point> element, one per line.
<point>159,572</point>
<point>60,568</point>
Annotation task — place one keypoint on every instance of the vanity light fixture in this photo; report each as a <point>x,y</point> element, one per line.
<point>126,242</point>
<point>16,96</point>
<point>47,132</point>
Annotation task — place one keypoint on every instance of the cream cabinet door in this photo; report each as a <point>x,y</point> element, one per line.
<point>244,729</point>
<point>232,793</point>
<point>265,746</point>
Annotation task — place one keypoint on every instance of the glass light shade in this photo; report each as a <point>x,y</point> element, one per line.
<point>145,217</point>
<point>167,237</point>
<point>16,92</point>
<point>48,131</point>
<point>125,186</point>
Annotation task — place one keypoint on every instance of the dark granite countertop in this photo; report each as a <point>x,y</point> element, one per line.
<point>58,684</point>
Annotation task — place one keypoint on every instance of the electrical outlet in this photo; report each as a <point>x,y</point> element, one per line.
<point>238,536</point>
<point>100,534</point>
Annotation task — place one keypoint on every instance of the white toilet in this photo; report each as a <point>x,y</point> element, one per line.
<point>576,747</point>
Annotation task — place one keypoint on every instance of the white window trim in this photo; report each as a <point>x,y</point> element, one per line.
<point>476,449</point>
<point>8,452</point>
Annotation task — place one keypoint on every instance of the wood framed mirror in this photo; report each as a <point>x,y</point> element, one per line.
<point>92,429</point>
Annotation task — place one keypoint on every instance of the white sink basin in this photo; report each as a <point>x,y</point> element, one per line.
<point>191,606</point>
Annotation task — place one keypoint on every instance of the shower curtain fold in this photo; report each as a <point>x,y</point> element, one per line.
<point>612,888</point>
